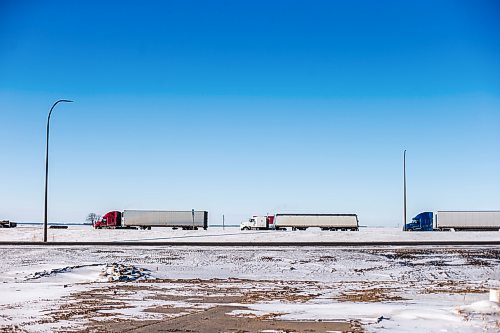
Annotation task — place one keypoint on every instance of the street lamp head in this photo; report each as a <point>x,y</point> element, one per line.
<point>65,100</point>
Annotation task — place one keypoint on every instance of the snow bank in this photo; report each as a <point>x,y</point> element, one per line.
<point>218,235</point>
<point>386,317</point>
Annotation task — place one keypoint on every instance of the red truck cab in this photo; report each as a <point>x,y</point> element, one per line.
<point>109,220</point>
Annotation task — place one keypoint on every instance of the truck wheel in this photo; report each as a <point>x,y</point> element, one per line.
<point>245,228</point>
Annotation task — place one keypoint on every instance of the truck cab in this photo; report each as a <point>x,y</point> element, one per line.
<point>422,222</point>
<point>109,220</point>
<point>258,223</point>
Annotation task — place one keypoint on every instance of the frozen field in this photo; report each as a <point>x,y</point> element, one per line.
<point>200,289</point>
<point>233,234</point>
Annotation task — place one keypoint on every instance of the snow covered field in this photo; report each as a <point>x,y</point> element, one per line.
<point>233,234</point>
<point>147,289</point>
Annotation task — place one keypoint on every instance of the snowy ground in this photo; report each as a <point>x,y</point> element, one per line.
<point>233,234</point>
<point>371,289</point>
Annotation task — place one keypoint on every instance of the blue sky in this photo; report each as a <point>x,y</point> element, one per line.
<point>251,107</point>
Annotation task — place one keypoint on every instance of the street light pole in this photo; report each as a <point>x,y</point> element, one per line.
<point>192,214</point>
<point>404,195</point>
<point>47,166</point>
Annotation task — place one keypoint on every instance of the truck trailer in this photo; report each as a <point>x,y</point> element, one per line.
<point>344,222</point>
<point>455,221</point>
<point>146,219</point>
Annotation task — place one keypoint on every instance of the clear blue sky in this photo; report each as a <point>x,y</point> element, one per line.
<point>250,107</point>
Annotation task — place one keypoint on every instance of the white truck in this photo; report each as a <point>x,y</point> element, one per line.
<point>258,223</point>
<point>332,222</point>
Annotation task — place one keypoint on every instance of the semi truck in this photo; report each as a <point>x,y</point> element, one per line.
<point>258,223</point>
<point>7,224</point>
<point>455,221</point>
<point>333,222</point>
<point>146,219</point>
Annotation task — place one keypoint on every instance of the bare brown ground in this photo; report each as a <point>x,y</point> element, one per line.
<point>369,295</point>
<point>217,320</point>
<point>213,318</point>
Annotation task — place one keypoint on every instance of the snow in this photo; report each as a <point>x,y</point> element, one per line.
<point>386,317</point>
<point>396,289</point>
<point>233,234</point>
<point>25,304</point>
<point>485,307</point>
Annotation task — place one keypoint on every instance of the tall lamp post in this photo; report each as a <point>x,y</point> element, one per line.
<point>404,194</point>
<point>192,214</point>
<point>47,166</point>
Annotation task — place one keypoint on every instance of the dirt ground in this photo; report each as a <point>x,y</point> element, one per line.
<point>204,308</point>
<point>216,320</point>
<point>216,290</point>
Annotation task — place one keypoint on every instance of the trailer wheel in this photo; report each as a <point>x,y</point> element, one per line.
<point>149,228</point>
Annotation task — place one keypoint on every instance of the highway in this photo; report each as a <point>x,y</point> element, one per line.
<point>259,244</point>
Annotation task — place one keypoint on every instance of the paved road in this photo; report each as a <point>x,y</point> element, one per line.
<point>258,244</point>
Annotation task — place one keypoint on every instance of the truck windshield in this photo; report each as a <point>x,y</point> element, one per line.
<point>103,219</point>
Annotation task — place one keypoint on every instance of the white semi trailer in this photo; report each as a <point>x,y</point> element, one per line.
<point>323,221</point>
<point>468,220</point>
<point>157,218</point>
